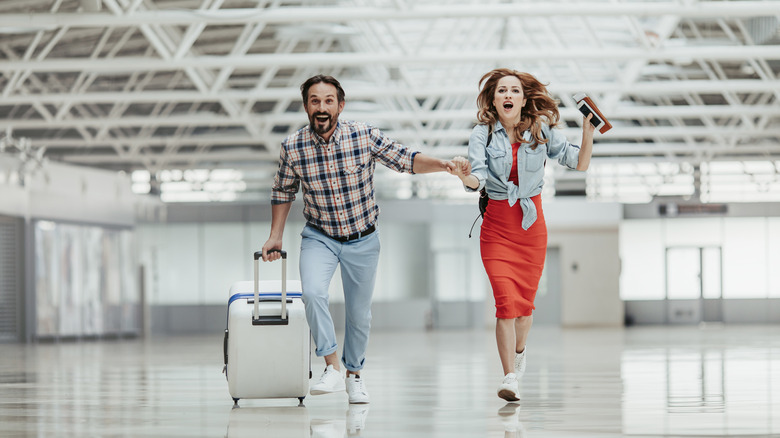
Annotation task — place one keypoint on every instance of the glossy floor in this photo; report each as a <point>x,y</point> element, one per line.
<point>659,381</point>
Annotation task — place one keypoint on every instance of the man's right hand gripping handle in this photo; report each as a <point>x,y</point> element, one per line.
<point>269,245</point>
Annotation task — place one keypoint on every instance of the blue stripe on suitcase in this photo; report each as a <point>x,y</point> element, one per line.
<point>264,294</point>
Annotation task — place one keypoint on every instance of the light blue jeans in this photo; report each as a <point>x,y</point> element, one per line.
<point>320,255</point>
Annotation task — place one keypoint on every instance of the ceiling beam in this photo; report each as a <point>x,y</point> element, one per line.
<point>296,15</point>
<point>647,89</point>
<point>121,65</point>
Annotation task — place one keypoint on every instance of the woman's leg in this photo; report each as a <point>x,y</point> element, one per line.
<point>506,340</point>
<point>522,327</point>
<point>511,336</point>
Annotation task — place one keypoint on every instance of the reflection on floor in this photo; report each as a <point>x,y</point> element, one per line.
<point>659,381</point>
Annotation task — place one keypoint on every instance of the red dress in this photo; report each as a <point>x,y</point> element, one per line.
<point>513,257</point>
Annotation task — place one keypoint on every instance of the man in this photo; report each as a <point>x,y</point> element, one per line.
<point>335,161</point>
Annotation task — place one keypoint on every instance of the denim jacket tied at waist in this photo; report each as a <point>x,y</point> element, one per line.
<point>491,165</point>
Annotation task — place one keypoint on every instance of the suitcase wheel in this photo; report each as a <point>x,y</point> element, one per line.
<point>235,402</point>
<point>300,400</point>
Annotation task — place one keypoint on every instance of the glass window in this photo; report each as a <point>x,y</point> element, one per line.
<point>683,269</point>
<point>773,255</point>
<point>711,273</point>
<point>693,232</point>
<point>226,257</point>
<point>642,260</point>
<point>744,258</point>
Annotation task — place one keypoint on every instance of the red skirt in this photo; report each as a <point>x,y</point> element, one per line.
<point>513,257</point>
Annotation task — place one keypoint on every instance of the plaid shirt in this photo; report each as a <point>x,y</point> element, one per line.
<point>337,177</point>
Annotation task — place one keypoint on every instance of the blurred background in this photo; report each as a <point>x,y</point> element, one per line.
<point>139,139</point>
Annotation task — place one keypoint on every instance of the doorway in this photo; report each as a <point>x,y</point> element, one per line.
<point>694,285</point>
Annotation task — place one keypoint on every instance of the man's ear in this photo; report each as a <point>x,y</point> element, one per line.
<point>341,106</point>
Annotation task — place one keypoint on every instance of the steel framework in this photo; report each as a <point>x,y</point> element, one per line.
<point>213,84</point>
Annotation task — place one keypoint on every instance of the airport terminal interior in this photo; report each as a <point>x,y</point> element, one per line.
<point>140,139</point>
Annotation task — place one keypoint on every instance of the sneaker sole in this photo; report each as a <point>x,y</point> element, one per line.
<point>358,402</point>
<point>322,391</point>
<point>508,395</point>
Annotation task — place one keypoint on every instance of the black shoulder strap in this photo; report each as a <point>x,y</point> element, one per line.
<point>483,192</point>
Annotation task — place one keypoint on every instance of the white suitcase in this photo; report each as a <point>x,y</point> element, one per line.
<point>267,343</point>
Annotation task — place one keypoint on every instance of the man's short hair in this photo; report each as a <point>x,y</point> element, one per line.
<point>318,79</point>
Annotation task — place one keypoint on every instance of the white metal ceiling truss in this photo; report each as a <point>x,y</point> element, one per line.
<point>209,84</point>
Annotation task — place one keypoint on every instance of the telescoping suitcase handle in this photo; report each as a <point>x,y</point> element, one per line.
<point>270,320</point>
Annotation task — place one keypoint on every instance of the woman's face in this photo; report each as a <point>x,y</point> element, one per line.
<point>509,99</point>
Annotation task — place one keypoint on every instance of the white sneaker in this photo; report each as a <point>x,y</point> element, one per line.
<point>508,389</point>
<point>520,363</point>
<point>356,418</point>
<point>356,389</point>
<point>330,381</point>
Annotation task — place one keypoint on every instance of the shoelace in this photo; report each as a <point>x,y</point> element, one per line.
<point>325,375</point>
<point>359,385</point>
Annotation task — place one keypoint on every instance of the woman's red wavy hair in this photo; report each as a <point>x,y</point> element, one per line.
<point>540,107</point>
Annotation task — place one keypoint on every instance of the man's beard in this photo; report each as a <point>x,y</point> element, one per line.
<point>317,126</point>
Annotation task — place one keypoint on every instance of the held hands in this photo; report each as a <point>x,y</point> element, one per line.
<point>462,167</point>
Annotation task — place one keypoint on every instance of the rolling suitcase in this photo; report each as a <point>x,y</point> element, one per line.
<point>267,344</point>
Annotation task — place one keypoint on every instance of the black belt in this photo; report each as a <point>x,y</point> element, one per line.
<point>353,236</point>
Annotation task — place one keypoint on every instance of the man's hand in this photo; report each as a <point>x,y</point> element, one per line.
<point>462,167</point>
<point>269,245</point>
<point>425,164</point>
<point>450,167</point>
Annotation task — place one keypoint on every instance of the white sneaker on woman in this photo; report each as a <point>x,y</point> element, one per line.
<point>509,390</point>
<point>520,363</point>
<point>330,381</point>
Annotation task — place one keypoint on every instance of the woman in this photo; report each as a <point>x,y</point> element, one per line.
<point>517,114</point>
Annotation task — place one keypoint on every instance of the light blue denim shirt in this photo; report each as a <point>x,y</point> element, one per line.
<point>492,164</point>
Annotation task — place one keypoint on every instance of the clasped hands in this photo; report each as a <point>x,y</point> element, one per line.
<point>460,167</point>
